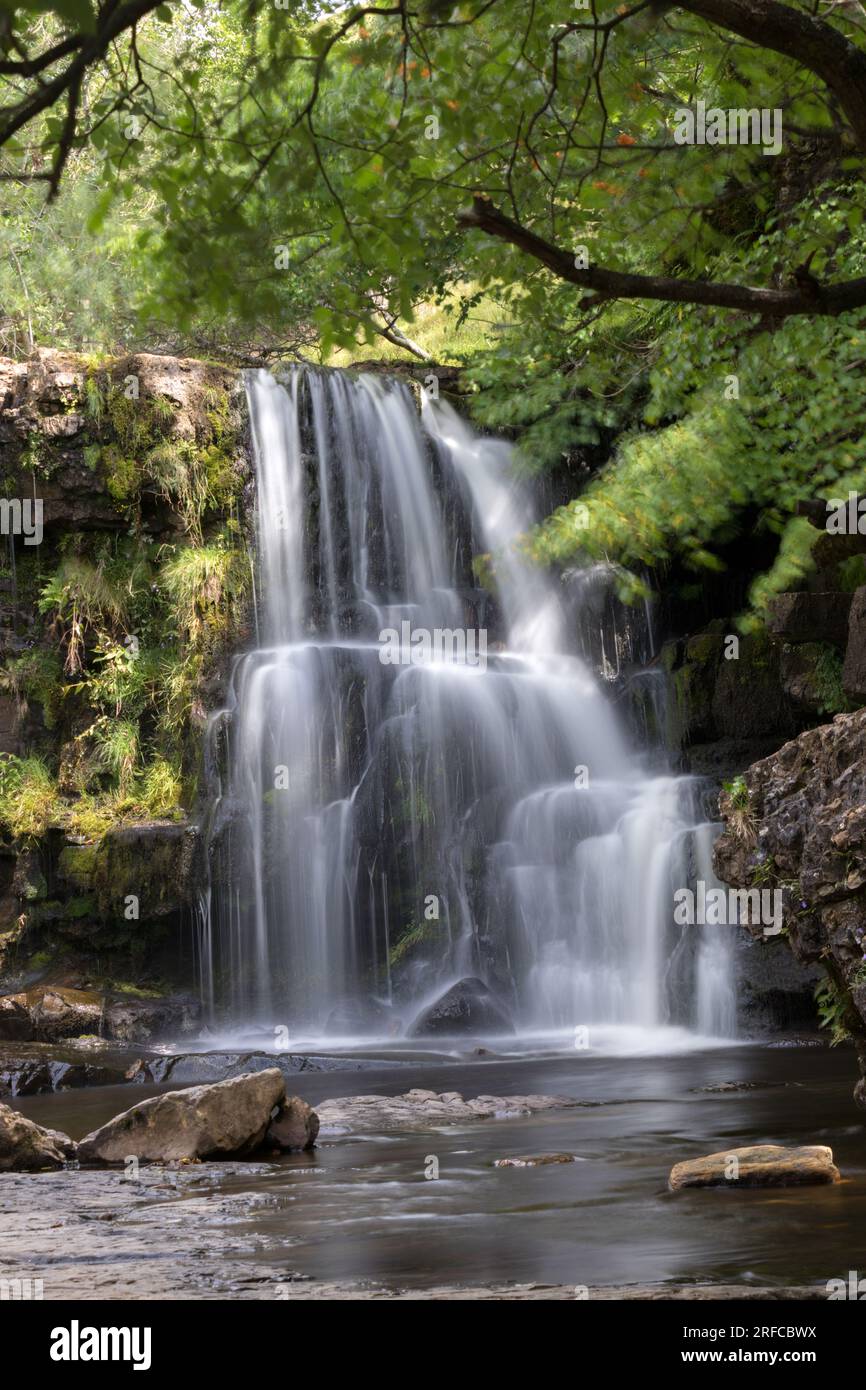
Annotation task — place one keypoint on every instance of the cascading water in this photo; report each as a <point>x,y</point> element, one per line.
<point>383,829</point>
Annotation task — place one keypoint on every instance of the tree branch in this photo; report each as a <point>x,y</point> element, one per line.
<point>806,297</point>
<point>811,42</point>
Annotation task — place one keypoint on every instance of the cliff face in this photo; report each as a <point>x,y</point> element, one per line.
<point>797,823</point>
<point>122,588</point>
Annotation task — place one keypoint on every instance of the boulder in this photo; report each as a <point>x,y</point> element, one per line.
<point>228,1119</point>
<point>807,617</point>
<point>467,1007</point>
<point>760,1165</point>
<point>26,1147</point>
<point>49,1014</point>
<point>15,1024</point>
<point>295,1125</point>
<point>138,1020</point>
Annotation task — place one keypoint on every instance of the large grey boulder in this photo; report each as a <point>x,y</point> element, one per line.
<point>26,1147</point>
<point>228,1119</point>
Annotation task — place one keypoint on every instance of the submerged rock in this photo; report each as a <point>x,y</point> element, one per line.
<point>229,1119</point>
<point>295,1125</point>
<point>534,1160</point>
<point>467,1007</point>
<point>760,1165</point>
<point>26,1147</point>
<point>425,1110</point>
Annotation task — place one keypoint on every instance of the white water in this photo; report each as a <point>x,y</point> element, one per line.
<point>359,800</point>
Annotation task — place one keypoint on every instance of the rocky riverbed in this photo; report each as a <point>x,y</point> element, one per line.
<point>420,1210</point>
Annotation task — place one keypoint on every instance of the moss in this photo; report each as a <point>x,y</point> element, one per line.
<point>76,864</point>
<point>81,906</point>
<point>122,475</point>
<point>828,676</point>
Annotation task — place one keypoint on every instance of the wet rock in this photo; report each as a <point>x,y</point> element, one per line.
<point>28,1069</point>
<point>467,1007</point>
<point>854,668</point>
<point>199,1067</point>
<point>807,840</point>
<point>26,1147</point>
<point>49,1015</point>
<point>57,1013</point>
<point>295,1125</point>
<point>136,1020</point>
<point>426,1110</point>
<point>15,1025</point>
<point>534,1160</point>
<point>760,1165</point>
<point>229,1119</point>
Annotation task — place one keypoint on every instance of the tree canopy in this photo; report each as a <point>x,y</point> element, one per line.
<point>289,178</point>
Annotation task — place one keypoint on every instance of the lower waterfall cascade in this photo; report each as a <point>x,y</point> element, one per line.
<point>388,821</point>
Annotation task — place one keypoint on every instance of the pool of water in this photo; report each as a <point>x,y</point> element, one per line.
<point>362,1206</point>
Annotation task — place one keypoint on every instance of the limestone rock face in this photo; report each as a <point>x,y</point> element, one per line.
<point>760,1165</point>
<point>26,1147</point>
<point>229,1119</point>
<point>803,833</point>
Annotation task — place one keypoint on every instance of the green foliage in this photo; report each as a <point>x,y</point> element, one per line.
<point>28,796</point>
<point>833,1006</point>
<point>35,677</point>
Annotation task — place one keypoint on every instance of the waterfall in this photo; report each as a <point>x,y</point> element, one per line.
<point>392,816</point>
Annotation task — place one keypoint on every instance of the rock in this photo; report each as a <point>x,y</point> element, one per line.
<point>807,812</point>
<point>136,1020</point>
<point>425,1110</point>
<point>295,1126</point>
<point>199,1067</point>
<point>15,1024</point>
<point>229,1119</point>
<point>467,1007</point>
<point>49,1014</point>
<point>854,668</point>
<point>56,1013</point>
<point>534,1160</point>
<point>774,990</point>
<point>807,617</point>
<point>761,1165</point>
<point>26,1147</point>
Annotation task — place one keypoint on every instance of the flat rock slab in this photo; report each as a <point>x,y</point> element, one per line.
<point>419,1109</point>
<point>205,1067</point>
<point>534,1160</point>
<point>761,1165</point>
